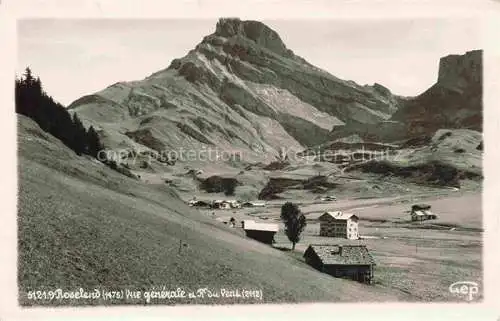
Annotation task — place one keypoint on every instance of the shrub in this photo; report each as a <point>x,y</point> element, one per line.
<point>445,135</point>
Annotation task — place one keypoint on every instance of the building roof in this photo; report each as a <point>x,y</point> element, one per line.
<point>225,201</point>
<point>337,215</point>
<point>254,203</point>
<point>420,207</point>
<point>199,202</point>
<point>341,254</point>
<point>421,213</point>
<point>257,226</point>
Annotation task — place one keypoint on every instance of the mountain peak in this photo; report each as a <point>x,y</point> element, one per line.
<point>228,27</point>
<point>256,31</point>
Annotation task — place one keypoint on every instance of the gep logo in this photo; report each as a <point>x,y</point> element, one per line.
<point>465,288</point>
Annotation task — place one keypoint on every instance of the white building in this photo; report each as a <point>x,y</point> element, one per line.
<point>339,224</point>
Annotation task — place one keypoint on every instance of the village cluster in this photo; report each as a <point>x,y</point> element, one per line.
<point>224,204</point>
<point>352,261</point>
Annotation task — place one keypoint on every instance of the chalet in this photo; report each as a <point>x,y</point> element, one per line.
<point>339,224</point>
<point>422,212</point>
<point>262,232</point>
<point>342,261</point>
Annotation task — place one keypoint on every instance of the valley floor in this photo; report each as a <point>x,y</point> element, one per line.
<point>420,259</point>
<point>83,225</point>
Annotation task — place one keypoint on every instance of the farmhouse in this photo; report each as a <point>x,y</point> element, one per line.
<point>344,261</point>
<point>421,212</point>
<point>262,232</point>
<point>339,224</point>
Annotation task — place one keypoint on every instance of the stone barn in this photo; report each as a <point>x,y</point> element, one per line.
<point>262,232</point>
<point>339,224</point>
<point>343,261</point>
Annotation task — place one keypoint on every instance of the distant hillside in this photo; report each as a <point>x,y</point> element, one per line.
<point>450,156</point>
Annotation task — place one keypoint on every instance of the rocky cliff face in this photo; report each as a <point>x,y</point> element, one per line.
<point>461,72</point>
<point>240,88</point>
<point>455,101</point>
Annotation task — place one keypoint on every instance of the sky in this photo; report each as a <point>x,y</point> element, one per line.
<point>79,57</point>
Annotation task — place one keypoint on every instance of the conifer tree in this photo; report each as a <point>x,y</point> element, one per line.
<point>93,142</point>
<point>79,136</point>
<point>32,101</point>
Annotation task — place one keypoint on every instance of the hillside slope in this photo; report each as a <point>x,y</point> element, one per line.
<point>81,224</point>
<point>450,156</point>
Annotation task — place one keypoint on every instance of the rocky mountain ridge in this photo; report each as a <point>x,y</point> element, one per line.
<point>241,88</point>
<point>243,92</point>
